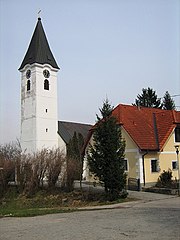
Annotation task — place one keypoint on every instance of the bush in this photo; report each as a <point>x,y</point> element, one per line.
<point>30,171</point>
<point>45,166</point>
<point>71,173</point>
<point>9,156</point>
<point>165,179</point>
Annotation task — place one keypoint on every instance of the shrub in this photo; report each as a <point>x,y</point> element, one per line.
<point>30,171</point>
<point>45,166</point>
<point>9,156</point>
<point>71,170</point>
<point>165,179</point>
<point>55,167</point>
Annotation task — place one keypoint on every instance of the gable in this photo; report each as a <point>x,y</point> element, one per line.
<point>130,144</point>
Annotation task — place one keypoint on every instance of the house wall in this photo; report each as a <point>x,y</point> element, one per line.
<point>150,177</point>
<point>132,155</point>
<point>135,161</point>
<point>87,175</point>
<point>62,145</point>
<point>165,157</point>
<point>169,154</point>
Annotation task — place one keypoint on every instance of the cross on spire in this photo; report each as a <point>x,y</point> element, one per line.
<point>39,14</point>
<point>39,50</point>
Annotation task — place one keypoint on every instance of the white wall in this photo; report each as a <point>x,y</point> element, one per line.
<point>38,127</point>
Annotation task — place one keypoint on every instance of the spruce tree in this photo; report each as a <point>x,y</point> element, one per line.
<point>148,98</point>
<point>168,102</point>
<point>105,157</point>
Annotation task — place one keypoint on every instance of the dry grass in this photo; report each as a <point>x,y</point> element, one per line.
<point>46,202</point>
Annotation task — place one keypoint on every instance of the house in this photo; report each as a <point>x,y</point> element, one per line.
<point>40,127</point>
<point>151,135</point>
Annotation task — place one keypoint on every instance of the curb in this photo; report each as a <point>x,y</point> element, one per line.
<point>113,206</point>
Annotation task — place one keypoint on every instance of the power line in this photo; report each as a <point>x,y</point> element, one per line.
<point>176,95</point>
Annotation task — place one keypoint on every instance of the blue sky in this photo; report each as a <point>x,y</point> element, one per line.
<point>104,49</point>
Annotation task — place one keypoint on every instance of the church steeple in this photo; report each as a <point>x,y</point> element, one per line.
<point>39,50</point>
<point>39,116</point>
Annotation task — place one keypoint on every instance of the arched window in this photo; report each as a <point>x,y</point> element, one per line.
<point>46,84</point>
<point>28,85</point>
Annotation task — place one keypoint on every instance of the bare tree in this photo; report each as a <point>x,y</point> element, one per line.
<point>55,166</point>
<point>71,170</point>
<point>30,170</point>
<point>9,156</point>
<point>24,171</point>
<point>45,166</point>
<point>37,164</point>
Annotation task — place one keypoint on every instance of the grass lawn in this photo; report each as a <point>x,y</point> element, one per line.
<point>29,212</point>
<point>13,204</point>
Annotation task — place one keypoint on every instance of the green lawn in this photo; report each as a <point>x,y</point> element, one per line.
<point>29,212</point>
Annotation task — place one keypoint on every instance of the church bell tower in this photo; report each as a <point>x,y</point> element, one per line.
<point>39,117</point>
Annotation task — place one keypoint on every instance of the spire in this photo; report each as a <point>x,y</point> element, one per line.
<point>39,50</point>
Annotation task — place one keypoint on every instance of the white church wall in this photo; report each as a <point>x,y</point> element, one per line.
<point>28,110</point>
<point>39,124</point>
<point>46,107</point>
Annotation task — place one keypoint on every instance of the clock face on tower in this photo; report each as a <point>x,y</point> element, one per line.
<point>28,73</point>
<point>46,73</point>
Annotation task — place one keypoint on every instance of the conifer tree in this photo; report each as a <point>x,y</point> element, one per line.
<point>74,156</point>
<point>105,157</point>
<point>148,98</point>
<point>168,102</point>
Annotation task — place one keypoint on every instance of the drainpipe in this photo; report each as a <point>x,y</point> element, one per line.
<point>144,178</point>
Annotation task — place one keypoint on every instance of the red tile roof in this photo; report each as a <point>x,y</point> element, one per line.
<point>148,127</point>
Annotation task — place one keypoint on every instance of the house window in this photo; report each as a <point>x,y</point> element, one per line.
<point>177,134</point>
<point>46,84</point>
<point>28,85</point>
<point>154,165</point>
<point>174,165</point>
<point>125,164</point>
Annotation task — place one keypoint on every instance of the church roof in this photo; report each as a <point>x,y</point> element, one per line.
<point>66,129</point>
<point>39,50</point>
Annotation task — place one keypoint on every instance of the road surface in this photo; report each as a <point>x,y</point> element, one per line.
<point>149,218</point>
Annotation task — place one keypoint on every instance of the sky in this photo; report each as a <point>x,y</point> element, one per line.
<point>104,48</point>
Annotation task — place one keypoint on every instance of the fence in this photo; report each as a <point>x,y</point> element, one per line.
<point>134,184</point>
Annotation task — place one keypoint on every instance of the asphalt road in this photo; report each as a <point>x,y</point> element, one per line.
<point>150,218</point>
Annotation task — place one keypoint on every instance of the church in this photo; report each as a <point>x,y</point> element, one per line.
<point>152,135</point>
<point>40,127</point>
